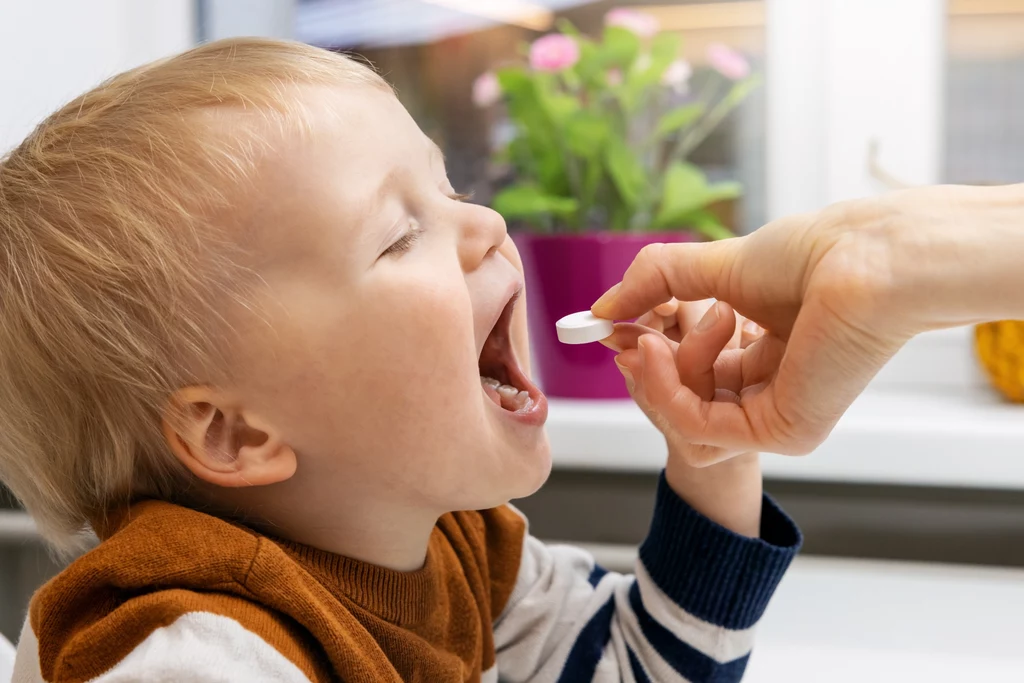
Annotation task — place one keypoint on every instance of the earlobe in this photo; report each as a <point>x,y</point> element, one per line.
<point>221,443</point>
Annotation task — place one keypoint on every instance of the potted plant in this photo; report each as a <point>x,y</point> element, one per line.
<point>598,141</point>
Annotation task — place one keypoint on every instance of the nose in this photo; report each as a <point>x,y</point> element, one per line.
<point>481,231</point>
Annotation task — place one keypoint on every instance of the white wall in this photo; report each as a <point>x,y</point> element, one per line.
<point>53,50</point>
<point>267,18</point>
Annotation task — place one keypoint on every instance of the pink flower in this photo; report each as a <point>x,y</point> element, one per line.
<point>486,90</point>
<point>728,62</point>
<point>554,52</point>
<point>614,77</point>
<point>677,76</point>
<point>644,25</point>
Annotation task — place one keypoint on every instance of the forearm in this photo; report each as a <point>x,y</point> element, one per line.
<point>728,493</point>
<point>963,261</point>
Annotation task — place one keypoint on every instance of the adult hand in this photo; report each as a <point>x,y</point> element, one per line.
<point>839,292</point>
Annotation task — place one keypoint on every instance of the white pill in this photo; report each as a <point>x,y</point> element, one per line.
<point>583,328</point>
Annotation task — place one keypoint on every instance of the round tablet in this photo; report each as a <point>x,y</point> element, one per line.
<point>583,328</point>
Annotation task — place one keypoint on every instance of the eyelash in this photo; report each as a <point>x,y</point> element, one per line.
<point>406,241</point>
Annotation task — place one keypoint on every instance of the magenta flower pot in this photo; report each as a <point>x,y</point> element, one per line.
<point>565,274</point>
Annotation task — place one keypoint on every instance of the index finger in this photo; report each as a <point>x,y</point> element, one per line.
<point>688,272</point>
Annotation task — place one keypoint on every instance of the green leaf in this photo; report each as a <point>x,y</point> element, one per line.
<point>729,189</point>
<point>528,201</point>
<point>664,48</point>
<point>559,106</point>
<point>589,67</point>
<point>618,217</point>
<point>592,175</point>
<point>514,81</point>
<point>586,133</point>
<point>741,89</point>
<point>567,27</point>
<point>707,224</point>
<point>625,170</point>
<point>680,117</point>
<point>619,47</point>
<point>686,190</point>
<point>540,157</point>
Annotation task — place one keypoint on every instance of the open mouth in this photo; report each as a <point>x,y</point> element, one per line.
<point>504,383</point>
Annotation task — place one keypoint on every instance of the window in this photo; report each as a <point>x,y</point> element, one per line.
<point>984,102</point>
<point>432,50</point>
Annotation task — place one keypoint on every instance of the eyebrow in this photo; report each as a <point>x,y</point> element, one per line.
<point>372,207</point>
<point>433,151</point>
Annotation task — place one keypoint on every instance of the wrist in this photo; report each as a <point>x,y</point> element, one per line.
<point>728,493</point>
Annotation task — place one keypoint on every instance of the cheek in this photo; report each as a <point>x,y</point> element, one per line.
<point>382,369</point>
<point>414,350</point>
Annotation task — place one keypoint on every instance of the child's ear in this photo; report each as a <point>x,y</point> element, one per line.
<point>222,444</point>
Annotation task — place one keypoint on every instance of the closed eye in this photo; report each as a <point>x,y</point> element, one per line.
<point>406,241</point>
<point>402,244</point>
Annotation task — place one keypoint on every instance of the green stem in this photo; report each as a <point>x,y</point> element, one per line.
<point>706,125</point>
<point>673,148</point>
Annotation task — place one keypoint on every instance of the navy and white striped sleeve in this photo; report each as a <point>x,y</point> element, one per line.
<point>687,614</point>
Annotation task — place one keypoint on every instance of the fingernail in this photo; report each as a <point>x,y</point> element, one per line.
<point>626,374</point>
<point>709,319</point>
<point>641,347</point>
<point>607,297</point>
<point>752,328</point>
<point>609,343</point>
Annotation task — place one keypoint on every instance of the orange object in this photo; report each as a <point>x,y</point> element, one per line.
<point>1000,348</point>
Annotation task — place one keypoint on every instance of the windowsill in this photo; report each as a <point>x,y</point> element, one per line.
<point>890,621</point>
<point>16,526</point>
<point>960,438</point>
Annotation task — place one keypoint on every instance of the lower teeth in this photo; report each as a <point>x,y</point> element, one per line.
<point>506,395</point>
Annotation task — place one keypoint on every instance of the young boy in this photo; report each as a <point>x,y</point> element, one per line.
<point>253,338</point>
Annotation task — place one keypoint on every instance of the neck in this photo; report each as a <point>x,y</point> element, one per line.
<point>361,527</point>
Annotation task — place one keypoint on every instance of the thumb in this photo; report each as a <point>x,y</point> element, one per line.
<point>687,271</point>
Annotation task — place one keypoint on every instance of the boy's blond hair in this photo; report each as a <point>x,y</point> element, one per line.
<point>113,267</point>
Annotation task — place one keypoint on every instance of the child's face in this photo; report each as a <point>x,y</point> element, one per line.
<point>386,301</point>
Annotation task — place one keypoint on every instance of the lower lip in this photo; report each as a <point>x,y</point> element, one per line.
<point>536,416</point>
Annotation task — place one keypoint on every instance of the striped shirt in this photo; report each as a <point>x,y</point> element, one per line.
<point>177,595</point>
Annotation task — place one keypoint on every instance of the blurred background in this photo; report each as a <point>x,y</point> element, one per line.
<point>914,509</point>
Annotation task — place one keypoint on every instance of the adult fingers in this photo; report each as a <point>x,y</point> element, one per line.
<point>687,272</point>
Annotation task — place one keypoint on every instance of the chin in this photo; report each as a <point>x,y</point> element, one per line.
<point>535,468</point>
<point>518,473</point>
